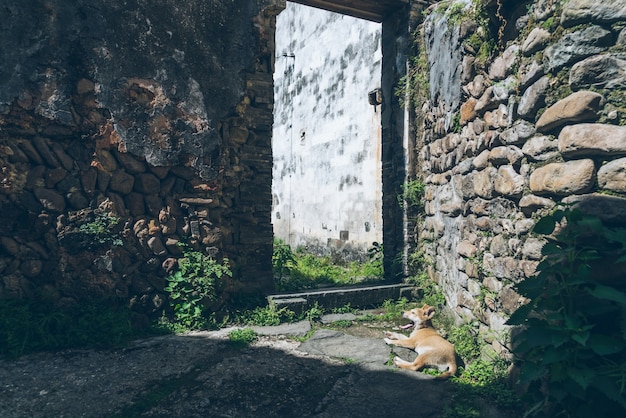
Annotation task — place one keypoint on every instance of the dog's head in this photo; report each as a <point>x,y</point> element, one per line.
<point>419,315</point>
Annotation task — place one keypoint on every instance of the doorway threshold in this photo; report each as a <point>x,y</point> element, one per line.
<point>337,297</point>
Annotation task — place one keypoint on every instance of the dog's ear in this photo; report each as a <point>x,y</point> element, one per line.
<point>429,311</point>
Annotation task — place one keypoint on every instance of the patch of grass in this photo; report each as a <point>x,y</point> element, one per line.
<point>465,341</point>
<point>431,294</point>
<point>242,337</point>
<point>299,270</point>
<point>344,309</point>
<point>342,323</point>
<point>481,384</point>
<point>267,315</point>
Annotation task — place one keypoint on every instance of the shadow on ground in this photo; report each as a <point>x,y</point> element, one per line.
<point>202,374</point>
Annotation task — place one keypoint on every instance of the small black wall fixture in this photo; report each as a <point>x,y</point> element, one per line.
<point>375,97</point>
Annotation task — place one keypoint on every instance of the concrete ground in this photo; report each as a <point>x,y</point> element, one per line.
<point>202,374</point>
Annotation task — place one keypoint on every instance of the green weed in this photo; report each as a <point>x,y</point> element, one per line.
<point>412,194</point>
<point>267,315</point>
<point>342,323</point>
<point>242,337</point>
<point>300,270</point>
<point>101,231</point>
<point>194,286</point>
<point>283,259</point>
<point>431,294</point>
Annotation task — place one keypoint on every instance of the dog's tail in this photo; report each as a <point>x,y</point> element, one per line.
<point>448,373</point>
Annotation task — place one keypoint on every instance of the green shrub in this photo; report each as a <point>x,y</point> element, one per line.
<point>570,345</point>
<point>194,287</point>
<point>412,194</point>
<point>283,259</point>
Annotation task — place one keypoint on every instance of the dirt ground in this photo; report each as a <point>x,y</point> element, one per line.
<point>202,374</point>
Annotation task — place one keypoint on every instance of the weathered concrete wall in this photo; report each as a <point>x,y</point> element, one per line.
<point>538,123</point>
<point>159,115</point>
<point>327,136</point>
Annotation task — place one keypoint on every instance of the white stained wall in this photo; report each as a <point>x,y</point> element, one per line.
<point>327,181</point>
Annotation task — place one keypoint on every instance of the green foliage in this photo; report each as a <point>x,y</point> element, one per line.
<point>394,308</point>
<point>414,87</point>
<point>314,313</point>
<point>101,231</point>
<point>242,337</point>
<point>571,346</point>
<point>465,341</point>
<point>342,323</point>
<point>194,286</point>
<point>267,315</point>
<point>480,380</point>
<point>550,23</point>
<point>39,325</point>
<point>307,271</point>
<point>455,11</point>
<point>431,294</point>
<point>283,259</point>
<point>482,383</point>
<point>344,309</point>
<point>412,194</point>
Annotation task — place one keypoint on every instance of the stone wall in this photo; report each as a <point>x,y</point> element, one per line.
<point>508,136</point>
<point>127,127</point>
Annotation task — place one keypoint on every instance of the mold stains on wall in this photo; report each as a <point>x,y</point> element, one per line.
<point>326,135</point>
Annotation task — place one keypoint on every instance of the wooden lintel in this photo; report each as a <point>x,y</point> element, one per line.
<point>373,10</point>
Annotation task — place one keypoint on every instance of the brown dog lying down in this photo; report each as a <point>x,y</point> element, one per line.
<point>431,348</point>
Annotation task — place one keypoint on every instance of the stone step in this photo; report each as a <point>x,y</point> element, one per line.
<point>336,297</point>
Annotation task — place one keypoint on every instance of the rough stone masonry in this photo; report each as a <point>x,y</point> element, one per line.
<point>508,136</point>
<point>126,128</point>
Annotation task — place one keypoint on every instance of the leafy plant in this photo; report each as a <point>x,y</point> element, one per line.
<point>465,342</point>
<point>431,294</point>
<point>283,259</point>
<point>267,315</point>
<point>412,194</point>
<point>242,337</point>
<point>101,231</point>
<point>315,312</point>
<point>308,271</point>
<point>194,286</point>
<point>414,87</point>
<point>570,346</point>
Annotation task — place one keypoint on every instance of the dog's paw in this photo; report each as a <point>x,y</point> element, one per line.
<point>398,361</point>
<point>388,334</point>
<point>388,341</point>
